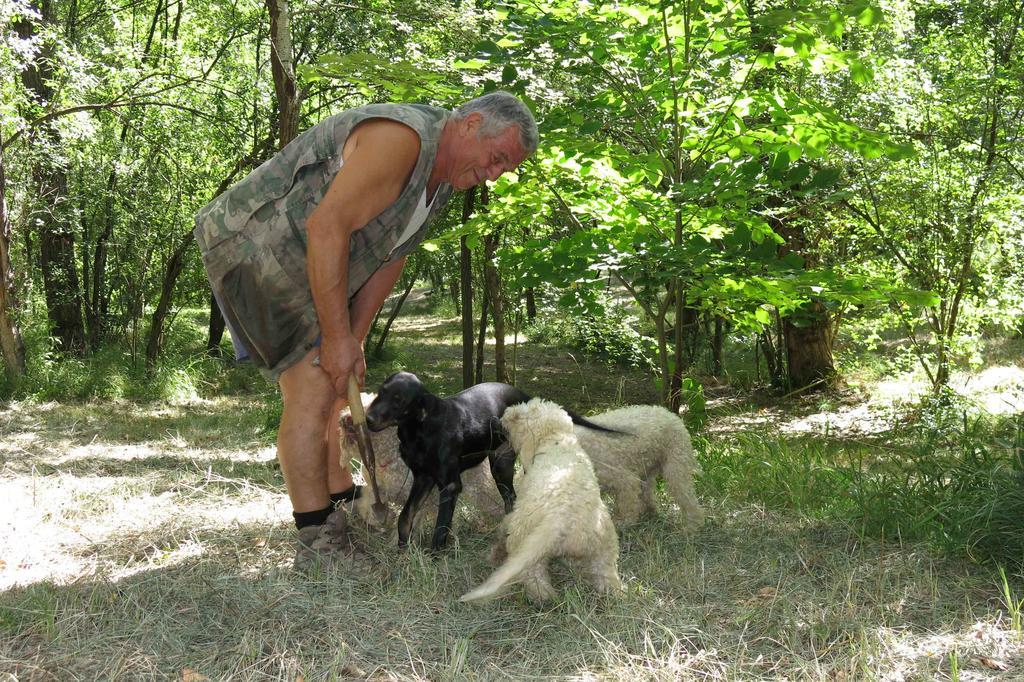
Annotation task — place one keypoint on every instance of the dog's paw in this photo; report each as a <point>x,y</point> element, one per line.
<point>538,591</point>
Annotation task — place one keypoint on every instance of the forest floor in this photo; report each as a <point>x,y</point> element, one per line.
<point>155,541</point>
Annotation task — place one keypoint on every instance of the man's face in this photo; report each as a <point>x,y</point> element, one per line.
<point>484,158</point>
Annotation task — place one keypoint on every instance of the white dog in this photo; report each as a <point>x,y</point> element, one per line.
<point>558,510</point>
<point>627,466</point>
<point>394,479</point>
<point>654,442</point>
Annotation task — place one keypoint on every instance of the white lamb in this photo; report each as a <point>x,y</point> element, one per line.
<point>558,510</point>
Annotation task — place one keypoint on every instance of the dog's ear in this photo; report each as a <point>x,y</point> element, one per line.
<point>535,409</point>
<point>422,403</point>
<point>511,416</point>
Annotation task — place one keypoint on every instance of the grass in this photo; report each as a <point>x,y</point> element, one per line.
<point>151,539</point>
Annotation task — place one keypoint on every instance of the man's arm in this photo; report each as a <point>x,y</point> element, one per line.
<point>371,297</point>
<point>379,157</point>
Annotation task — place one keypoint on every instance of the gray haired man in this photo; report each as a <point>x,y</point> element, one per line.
<point>302,253</point>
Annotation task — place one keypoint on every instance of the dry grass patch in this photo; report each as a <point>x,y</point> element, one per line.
<point>174,566</point>
<point>154,541</point>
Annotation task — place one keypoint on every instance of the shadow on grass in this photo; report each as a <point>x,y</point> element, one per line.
<point>751,596</point>
<point>225,424</point>
<point>216,471</point>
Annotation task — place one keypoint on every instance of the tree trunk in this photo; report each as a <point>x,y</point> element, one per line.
<point>497,308</point>
<point>60,276</point>
<point>767,348</point>
<point>96,309</point>
<point>281,62</point>
<point>466,288</point>
<point>809,348</point>
<point>163,308</point>
<point>12,345</point>
<point>56,234</point>
<point>482,336</point>
<point>531,305</point>
<point>98,305</point>
<point>379,346</point>
<point>530,294</point>
<point>451,288</point>
<point>716,347</point>
<point>691,335</point>
<point>808,332</point>
<point>678,294</point>
<point>216,328</point>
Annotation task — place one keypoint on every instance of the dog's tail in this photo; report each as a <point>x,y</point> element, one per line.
<point>679,468</point>
<point>537,546</point>
<point>583,421</point>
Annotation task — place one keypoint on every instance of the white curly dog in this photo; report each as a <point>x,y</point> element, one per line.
<point>558,510</point>
<point>654,442</point>
<point>479,493</point>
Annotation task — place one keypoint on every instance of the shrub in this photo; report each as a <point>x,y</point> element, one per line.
<point>611,336</point>
<point>955,479</point>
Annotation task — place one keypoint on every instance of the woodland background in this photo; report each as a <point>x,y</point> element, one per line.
<point>755,171</point>
<point>801,223</point>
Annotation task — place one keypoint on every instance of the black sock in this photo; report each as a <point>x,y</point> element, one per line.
<point>353,493</point>
<point>312,518</point>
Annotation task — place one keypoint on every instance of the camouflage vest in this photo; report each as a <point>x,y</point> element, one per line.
<point>253,236</point>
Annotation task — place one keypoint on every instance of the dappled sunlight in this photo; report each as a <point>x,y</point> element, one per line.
<point>808,416</point>
<point>161,521</point>
<point>996,391</point>
<point>60,527</point>
<point>1000,390</point>
<point>429,330</point>
<point>116,489</point>
<point>982,650</point>
<point>125,431</point>
<point>860,420</point>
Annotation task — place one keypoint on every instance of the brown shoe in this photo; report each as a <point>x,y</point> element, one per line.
<point>326,545</point>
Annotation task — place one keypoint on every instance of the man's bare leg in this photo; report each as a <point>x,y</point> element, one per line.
<point>302,441</point>
<point>306,438</point>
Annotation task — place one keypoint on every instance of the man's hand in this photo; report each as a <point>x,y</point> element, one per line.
<point>341,357</point>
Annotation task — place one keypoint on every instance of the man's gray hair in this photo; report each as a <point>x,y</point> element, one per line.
<point>500,110</point>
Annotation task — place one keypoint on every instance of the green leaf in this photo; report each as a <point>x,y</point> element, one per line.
<point>860,72</point>
<point>794,260</point>
<point>780,165</point>
<point>900,152</point>
<point>508,74</point>
<point>798,174</point>
<point>835,25</point>
<point>870,16</point>
<point>488,47</point>
<point>826,177</point>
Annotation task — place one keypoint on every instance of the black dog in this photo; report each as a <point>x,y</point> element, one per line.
<point>442,437</point>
